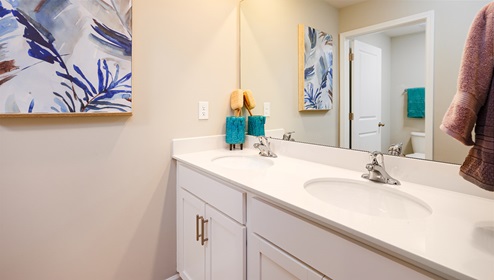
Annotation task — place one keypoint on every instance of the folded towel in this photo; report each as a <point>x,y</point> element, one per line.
<point>255,125</point>
<point>235,130</point>
<point>473,104</point>
<point>416,102</point>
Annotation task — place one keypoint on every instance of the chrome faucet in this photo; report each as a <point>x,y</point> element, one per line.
<point>264,147</point>
<point>377,172</point>
<point>288,136</point>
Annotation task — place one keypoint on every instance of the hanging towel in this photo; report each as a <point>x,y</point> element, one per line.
<point>473,103</point>
<point>416,102</point>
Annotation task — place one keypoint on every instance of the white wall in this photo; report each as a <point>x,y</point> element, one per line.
<point>270,64</point>
<point>452,21</point>
<point>93,198</point>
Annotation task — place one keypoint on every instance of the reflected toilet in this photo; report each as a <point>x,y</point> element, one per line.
<point>418,145</point>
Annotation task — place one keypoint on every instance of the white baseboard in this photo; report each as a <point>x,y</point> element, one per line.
<point>174,277</point>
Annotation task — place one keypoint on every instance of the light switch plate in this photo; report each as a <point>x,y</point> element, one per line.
<point>267,109</point>
<point>203,110</point>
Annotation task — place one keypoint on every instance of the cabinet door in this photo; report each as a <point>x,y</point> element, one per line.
<point>268,262</point>
<point>225,248</point>
<point>190,252</point>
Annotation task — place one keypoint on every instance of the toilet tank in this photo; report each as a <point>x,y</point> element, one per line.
<point>418,142</point>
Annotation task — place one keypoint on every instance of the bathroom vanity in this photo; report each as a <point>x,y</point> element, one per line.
<point>243,216</point>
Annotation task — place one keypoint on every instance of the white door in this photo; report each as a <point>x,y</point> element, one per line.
<point>191,257</point>
<point>225,247</point>
<point>272,263</point>
<point>366,97</point>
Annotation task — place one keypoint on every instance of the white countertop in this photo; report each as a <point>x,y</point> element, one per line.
<point>457,239</point>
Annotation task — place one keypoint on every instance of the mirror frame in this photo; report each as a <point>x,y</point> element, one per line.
<point>428,19</point>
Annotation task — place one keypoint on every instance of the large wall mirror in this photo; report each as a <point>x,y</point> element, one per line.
<point>269,65</point>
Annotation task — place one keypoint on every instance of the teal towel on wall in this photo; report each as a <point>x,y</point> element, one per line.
<point>416,102</point>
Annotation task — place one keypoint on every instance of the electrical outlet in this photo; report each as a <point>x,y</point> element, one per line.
<point>267,109</point>
<point>203,110</point>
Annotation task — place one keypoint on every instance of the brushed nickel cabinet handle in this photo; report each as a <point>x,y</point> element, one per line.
<point>197,227</point>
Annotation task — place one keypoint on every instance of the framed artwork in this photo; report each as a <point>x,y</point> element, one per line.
<point>315,60</point>
<point>65,58</point>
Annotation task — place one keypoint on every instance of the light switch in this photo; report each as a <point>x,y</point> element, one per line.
<point>203,110</point>
<point>267,109</point>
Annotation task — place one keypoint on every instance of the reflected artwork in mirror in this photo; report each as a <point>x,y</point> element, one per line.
<point>315,69</point>
<point>269,66</point>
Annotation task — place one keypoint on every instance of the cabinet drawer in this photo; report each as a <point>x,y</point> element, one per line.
<point>228,200</point>
<point>269,262</point>
<point>326,251</point>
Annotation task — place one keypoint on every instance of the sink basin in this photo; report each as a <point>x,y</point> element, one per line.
<point>243,162</point>
<point>368,198</point>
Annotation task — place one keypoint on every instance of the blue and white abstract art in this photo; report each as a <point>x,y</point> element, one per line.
<point>316,93</point>
<point>65,57</point>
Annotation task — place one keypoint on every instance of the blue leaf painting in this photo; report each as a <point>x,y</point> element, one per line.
<point>312,97</point>
<point>318,70</point>
<point>31,106</point>
<point>7,25</point>
<point>112,38</point>
<point>109,87</point>
<point>3,11</point>
<point>308,72</point>
<point>312,37</point>
<point>41,45</point>
<point>68,56</point>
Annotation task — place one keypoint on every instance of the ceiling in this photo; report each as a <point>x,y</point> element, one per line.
<point>343,3</point>
<point>398,31</point>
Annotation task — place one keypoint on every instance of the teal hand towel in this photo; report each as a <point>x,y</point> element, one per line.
<point>235,130</point>
<point>255,125</point>
<point>416,102</point>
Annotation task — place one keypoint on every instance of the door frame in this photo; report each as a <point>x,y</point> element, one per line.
<point>426,18</point>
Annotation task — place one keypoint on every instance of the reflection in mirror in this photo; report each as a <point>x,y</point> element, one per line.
<point>269,65</point>
<point>389,83</point>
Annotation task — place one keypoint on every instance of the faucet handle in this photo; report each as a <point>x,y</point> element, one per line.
<point>374,157</point>
<point>263,140</point>
<point>288,135</point>
<point>375,154</point>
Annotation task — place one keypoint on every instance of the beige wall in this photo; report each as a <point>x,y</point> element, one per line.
<point>408,71</point>
<point>270,64</point>
<point>93,198</point>
<point>452,20</point>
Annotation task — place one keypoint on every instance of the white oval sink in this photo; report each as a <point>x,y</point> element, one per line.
<point>243,162</point>
<point>368,198</point>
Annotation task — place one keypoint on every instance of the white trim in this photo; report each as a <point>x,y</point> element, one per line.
<point>174,277</point>
<point>428,19</point>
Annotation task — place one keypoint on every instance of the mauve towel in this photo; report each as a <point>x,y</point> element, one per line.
<point>473,103</point>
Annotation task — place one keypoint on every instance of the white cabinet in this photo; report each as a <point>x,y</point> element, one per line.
<point>267,262</point>
<point>191,252</point>
<point>319,248</point>
<point>211,235</point>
